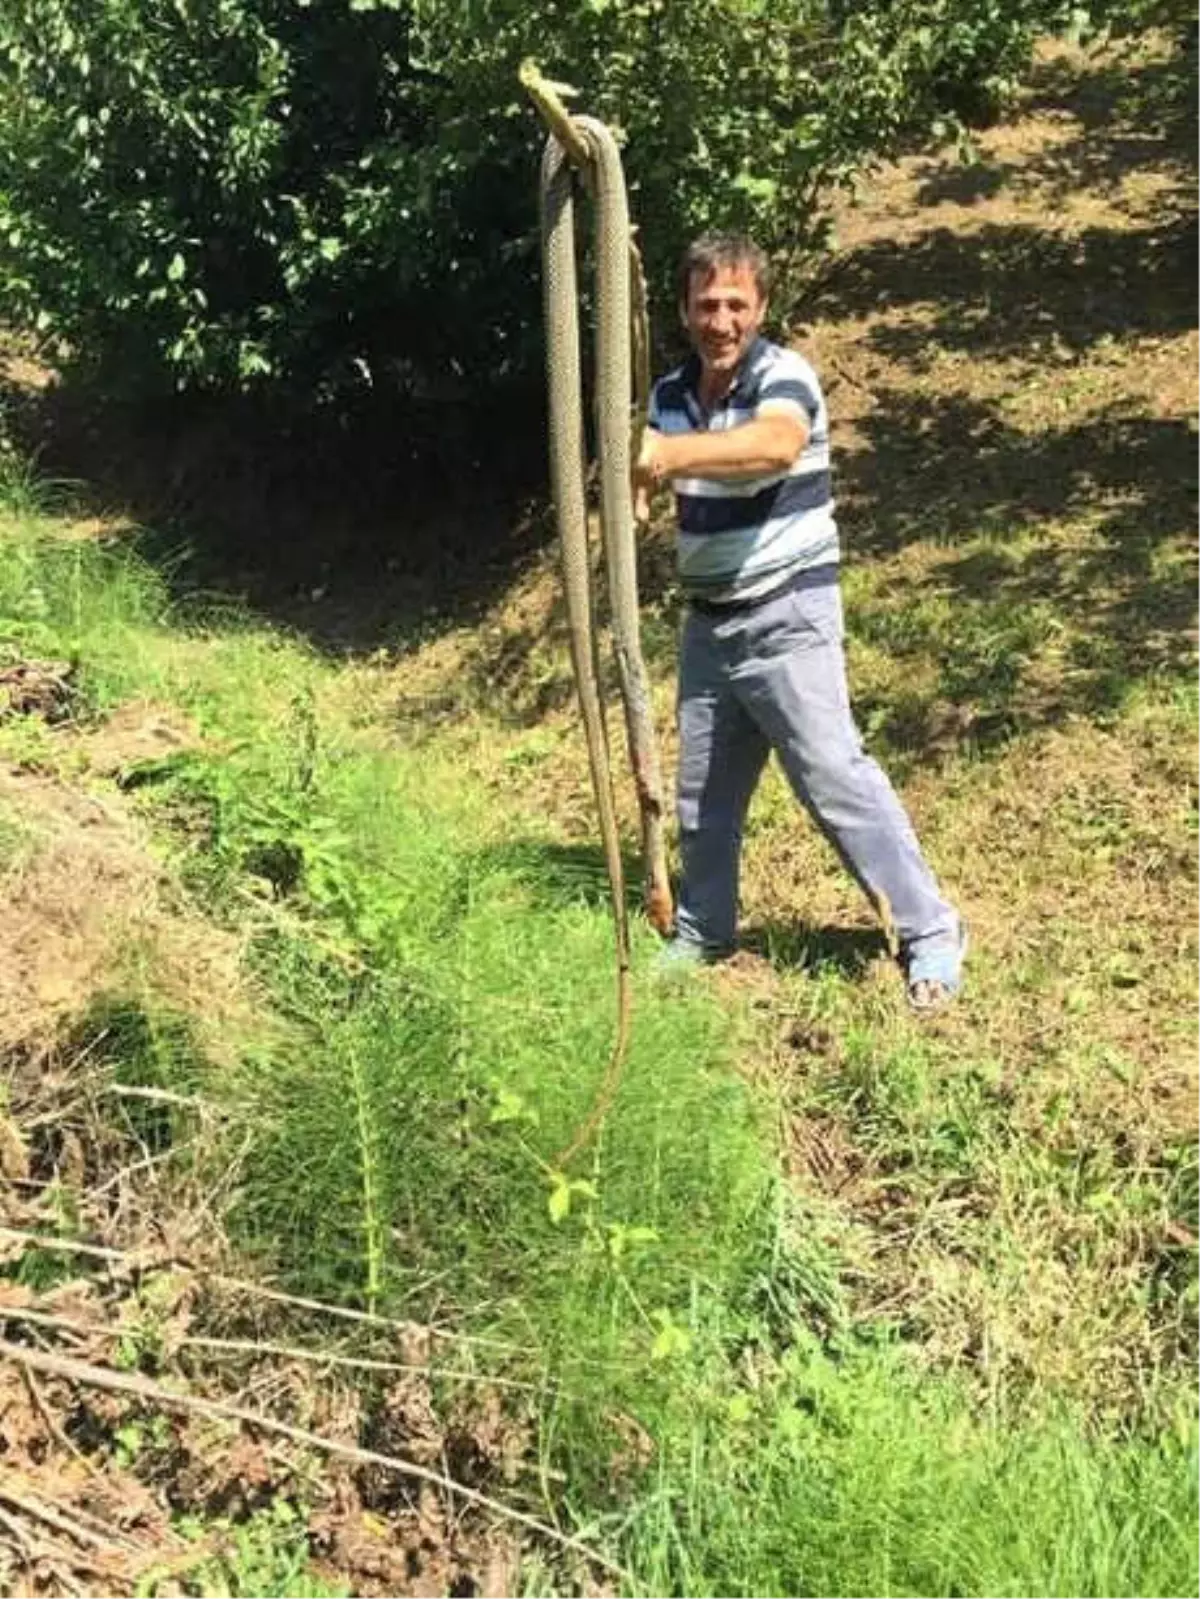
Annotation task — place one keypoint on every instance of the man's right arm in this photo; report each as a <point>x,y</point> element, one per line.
<point>767,444</point>
<point>643,489</point>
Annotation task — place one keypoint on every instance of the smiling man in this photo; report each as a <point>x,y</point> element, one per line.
<point>741,434</point>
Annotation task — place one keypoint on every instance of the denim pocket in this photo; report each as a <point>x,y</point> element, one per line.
<point>816,613</point>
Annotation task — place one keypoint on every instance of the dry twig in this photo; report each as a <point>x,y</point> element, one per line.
<point>243,1286</point>
<point>52,1426</point>
<point>51,1515</point>
<point>255,1346</point>
<point>142,1388</point>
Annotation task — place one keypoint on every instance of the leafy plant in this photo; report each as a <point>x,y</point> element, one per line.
<point>266,1553</point>
<point>337,200</point>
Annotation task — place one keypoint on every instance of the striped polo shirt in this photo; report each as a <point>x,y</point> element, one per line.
<point>740,540</point>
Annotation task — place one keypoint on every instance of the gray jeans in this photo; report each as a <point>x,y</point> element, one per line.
<point>773,677</point>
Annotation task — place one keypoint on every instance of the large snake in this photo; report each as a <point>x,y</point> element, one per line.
<point>583,148</point>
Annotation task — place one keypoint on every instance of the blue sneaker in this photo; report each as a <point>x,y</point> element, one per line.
<point>934,975</point>
<point>681,957</point>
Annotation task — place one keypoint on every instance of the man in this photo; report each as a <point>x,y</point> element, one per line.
<point>741,433</point>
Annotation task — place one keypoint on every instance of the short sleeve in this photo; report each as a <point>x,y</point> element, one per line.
<point>790,387</point>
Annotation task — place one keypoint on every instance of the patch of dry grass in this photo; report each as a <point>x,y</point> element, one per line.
<point>90,909</point>
<point>82,887</point>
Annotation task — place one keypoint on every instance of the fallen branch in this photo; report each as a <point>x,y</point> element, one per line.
<point>70,1246</point>
<point>40,1554</point>
<point>143,1388</point>
<point>19,1533</point>
<point>55,1431</point>
<point>163,1096</point>
<point>360,1362</point>
<point>62,1245</point>
<point>52,1517</point>
<point>145,1163</point>
<point>254,1346</point>
<point>275,1295</point>
<point>102,1562</point>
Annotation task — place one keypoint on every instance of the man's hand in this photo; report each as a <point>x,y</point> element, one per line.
<point>648,474</point>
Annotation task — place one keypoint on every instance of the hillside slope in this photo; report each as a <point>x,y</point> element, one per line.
<point>1010,354</point>
<point>306,979</point>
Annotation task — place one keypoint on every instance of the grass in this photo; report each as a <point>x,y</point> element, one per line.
<point>267,1553</point>
<point>415,968</point>
<point>726,1416</point>
<point>14,839</point>
<point>839,1302</point>
<point>855,1479</point>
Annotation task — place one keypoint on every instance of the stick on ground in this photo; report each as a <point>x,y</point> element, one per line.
<point>121,1382</point>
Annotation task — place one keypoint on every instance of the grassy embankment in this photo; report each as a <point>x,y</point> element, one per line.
<point>840,1302</point>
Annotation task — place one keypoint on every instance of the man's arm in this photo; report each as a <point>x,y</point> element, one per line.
<point>768,444</point>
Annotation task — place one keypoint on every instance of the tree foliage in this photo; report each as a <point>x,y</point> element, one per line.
<point>324,194</point>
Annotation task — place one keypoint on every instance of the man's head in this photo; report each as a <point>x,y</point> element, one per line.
<point>724,284</point>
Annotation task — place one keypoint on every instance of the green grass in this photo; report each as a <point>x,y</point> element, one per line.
<point>76,600</point>
<point>15,840</point>
<point>439,1013</point>
<point>265,1554</point>
<point>862,1478</point>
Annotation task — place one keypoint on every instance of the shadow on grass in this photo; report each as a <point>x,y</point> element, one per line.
<point>950,467</point>
<point>1048,621</point>
<point>517,669</point>
<point>1002,287</point>
<point>1066,577</point>
<point>361,530</point>
<point>1124,93</point>
<point>561,875</point>
<point>795,946</point>
<point>1126,109</point>
<point>996,288</point>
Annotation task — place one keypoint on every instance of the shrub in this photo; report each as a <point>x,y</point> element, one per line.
<point>241,193</point>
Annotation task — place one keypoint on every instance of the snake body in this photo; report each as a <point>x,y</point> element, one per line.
<point>584,145</point>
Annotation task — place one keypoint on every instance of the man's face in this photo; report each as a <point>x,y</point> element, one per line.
<point>723,314</point>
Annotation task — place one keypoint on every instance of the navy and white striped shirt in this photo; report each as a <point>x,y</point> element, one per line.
<point>740,540</point>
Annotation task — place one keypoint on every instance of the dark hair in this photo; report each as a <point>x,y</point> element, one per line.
<point>714,252</point>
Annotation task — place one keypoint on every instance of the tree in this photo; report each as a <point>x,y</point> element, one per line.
<point>322,196</point>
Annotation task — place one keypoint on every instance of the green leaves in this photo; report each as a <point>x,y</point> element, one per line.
<point>243,193</point>
<point>671,1339</point>
<point>563,1190</point>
